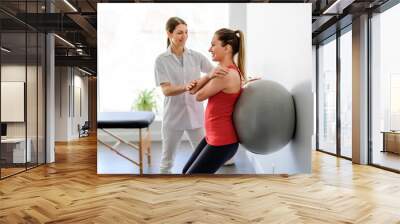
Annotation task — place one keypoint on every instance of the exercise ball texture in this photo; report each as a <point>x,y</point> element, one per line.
<point>264,117</point>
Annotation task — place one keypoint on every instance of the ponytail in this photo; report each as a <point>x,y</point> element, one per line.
<point>241,54</point>
<point>236,40</point>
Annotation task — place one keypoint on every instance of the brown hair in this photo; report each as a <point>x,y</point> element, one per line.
<point>172,23</point>
<point>235,38</point>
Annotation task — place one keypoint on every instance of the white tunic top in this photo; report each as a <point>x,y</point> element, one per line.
<point>181,112</point>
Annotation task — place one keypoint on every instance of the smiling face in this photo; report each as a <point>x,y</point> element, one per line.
<point>218,52</point>
<point>179,36</point>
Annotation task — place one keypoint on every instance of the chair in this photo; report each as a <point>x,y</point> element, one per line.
<point>84,130</point>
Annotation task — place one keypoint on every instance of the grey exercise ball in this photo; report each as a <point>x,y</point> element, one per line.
<point>264,117</point>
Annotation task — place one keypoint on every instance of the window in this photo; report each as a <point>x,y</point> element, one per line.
<point>22,65</point>
<point>327,97</point>
<point>346,94</point>
<point>394,102</point>
<point>385,89</point>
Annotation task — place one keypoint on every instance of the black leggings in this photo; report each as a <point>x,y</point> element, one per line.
<point>208,159</point>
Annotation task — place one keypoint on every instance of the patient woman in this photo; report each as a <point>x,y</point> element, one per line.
<point>221,141</point>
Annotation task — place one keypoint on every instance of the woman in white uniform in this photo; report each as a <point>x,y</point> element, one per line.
<point>176,71</point>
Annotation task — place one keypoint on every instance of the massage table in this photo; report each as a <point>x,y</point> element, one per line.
<point>130,120</point>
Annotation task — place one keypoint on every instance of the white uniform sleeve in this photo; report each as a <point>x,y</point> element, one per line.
<point>160,73</point>
<point>205,65</point>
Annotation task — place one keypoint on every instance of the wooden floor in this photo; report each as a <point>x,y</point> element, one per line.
<point>10,171</point>
<point>5,172</point>
<point>69,191</point>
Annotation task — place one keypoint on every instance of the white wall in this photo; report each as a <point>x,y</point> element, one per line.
<point>280,50</point>
<point>33,126</point>
<point>12,101</point>
<point>79,117</point>
<point>68,82</point>
<point>314,88</point>
<point>238,16</point>
<point>120,24</point>
<point>15,72</point>
<point>61,104</point>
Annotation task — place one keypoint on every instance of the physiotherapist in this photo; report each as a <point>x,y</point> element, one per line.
<point>177,71</point>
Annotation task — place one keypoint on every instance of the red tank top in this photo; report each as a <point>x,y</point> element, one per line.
<point>218,117</point>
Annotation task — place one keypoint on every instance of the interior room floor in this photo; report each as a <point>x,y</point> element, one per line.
<point>387,159</point>
<point>109,162</point>
<point>10,171</point>
<point>70,191</point>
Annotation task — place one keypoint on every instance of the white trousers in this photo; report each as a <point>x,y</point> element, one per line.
<point>170,142</point>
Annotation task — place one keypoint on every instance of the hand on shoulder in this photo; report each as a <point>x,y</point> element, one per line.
<point>219,72</point>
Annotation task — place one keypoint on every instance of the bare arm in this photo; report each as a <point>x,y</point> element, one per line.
<point>217,72</point>
<point>172,90</point>
<point>200,83</point>
<point>229,83</point>
<point>211,88</point>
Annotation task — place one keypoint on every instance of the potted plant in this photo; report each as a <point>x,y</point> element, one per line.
<point>146,101</point>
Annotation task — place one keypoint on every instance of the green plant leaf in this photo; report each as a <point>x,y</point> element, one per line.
<point>145,101</point>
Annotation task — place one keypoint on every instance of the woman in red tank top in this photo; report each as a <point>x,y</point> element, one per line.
<point>221,141</point>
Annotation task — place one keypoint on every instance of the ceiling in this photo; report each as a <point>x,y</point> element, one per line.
<point>76,22</point>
